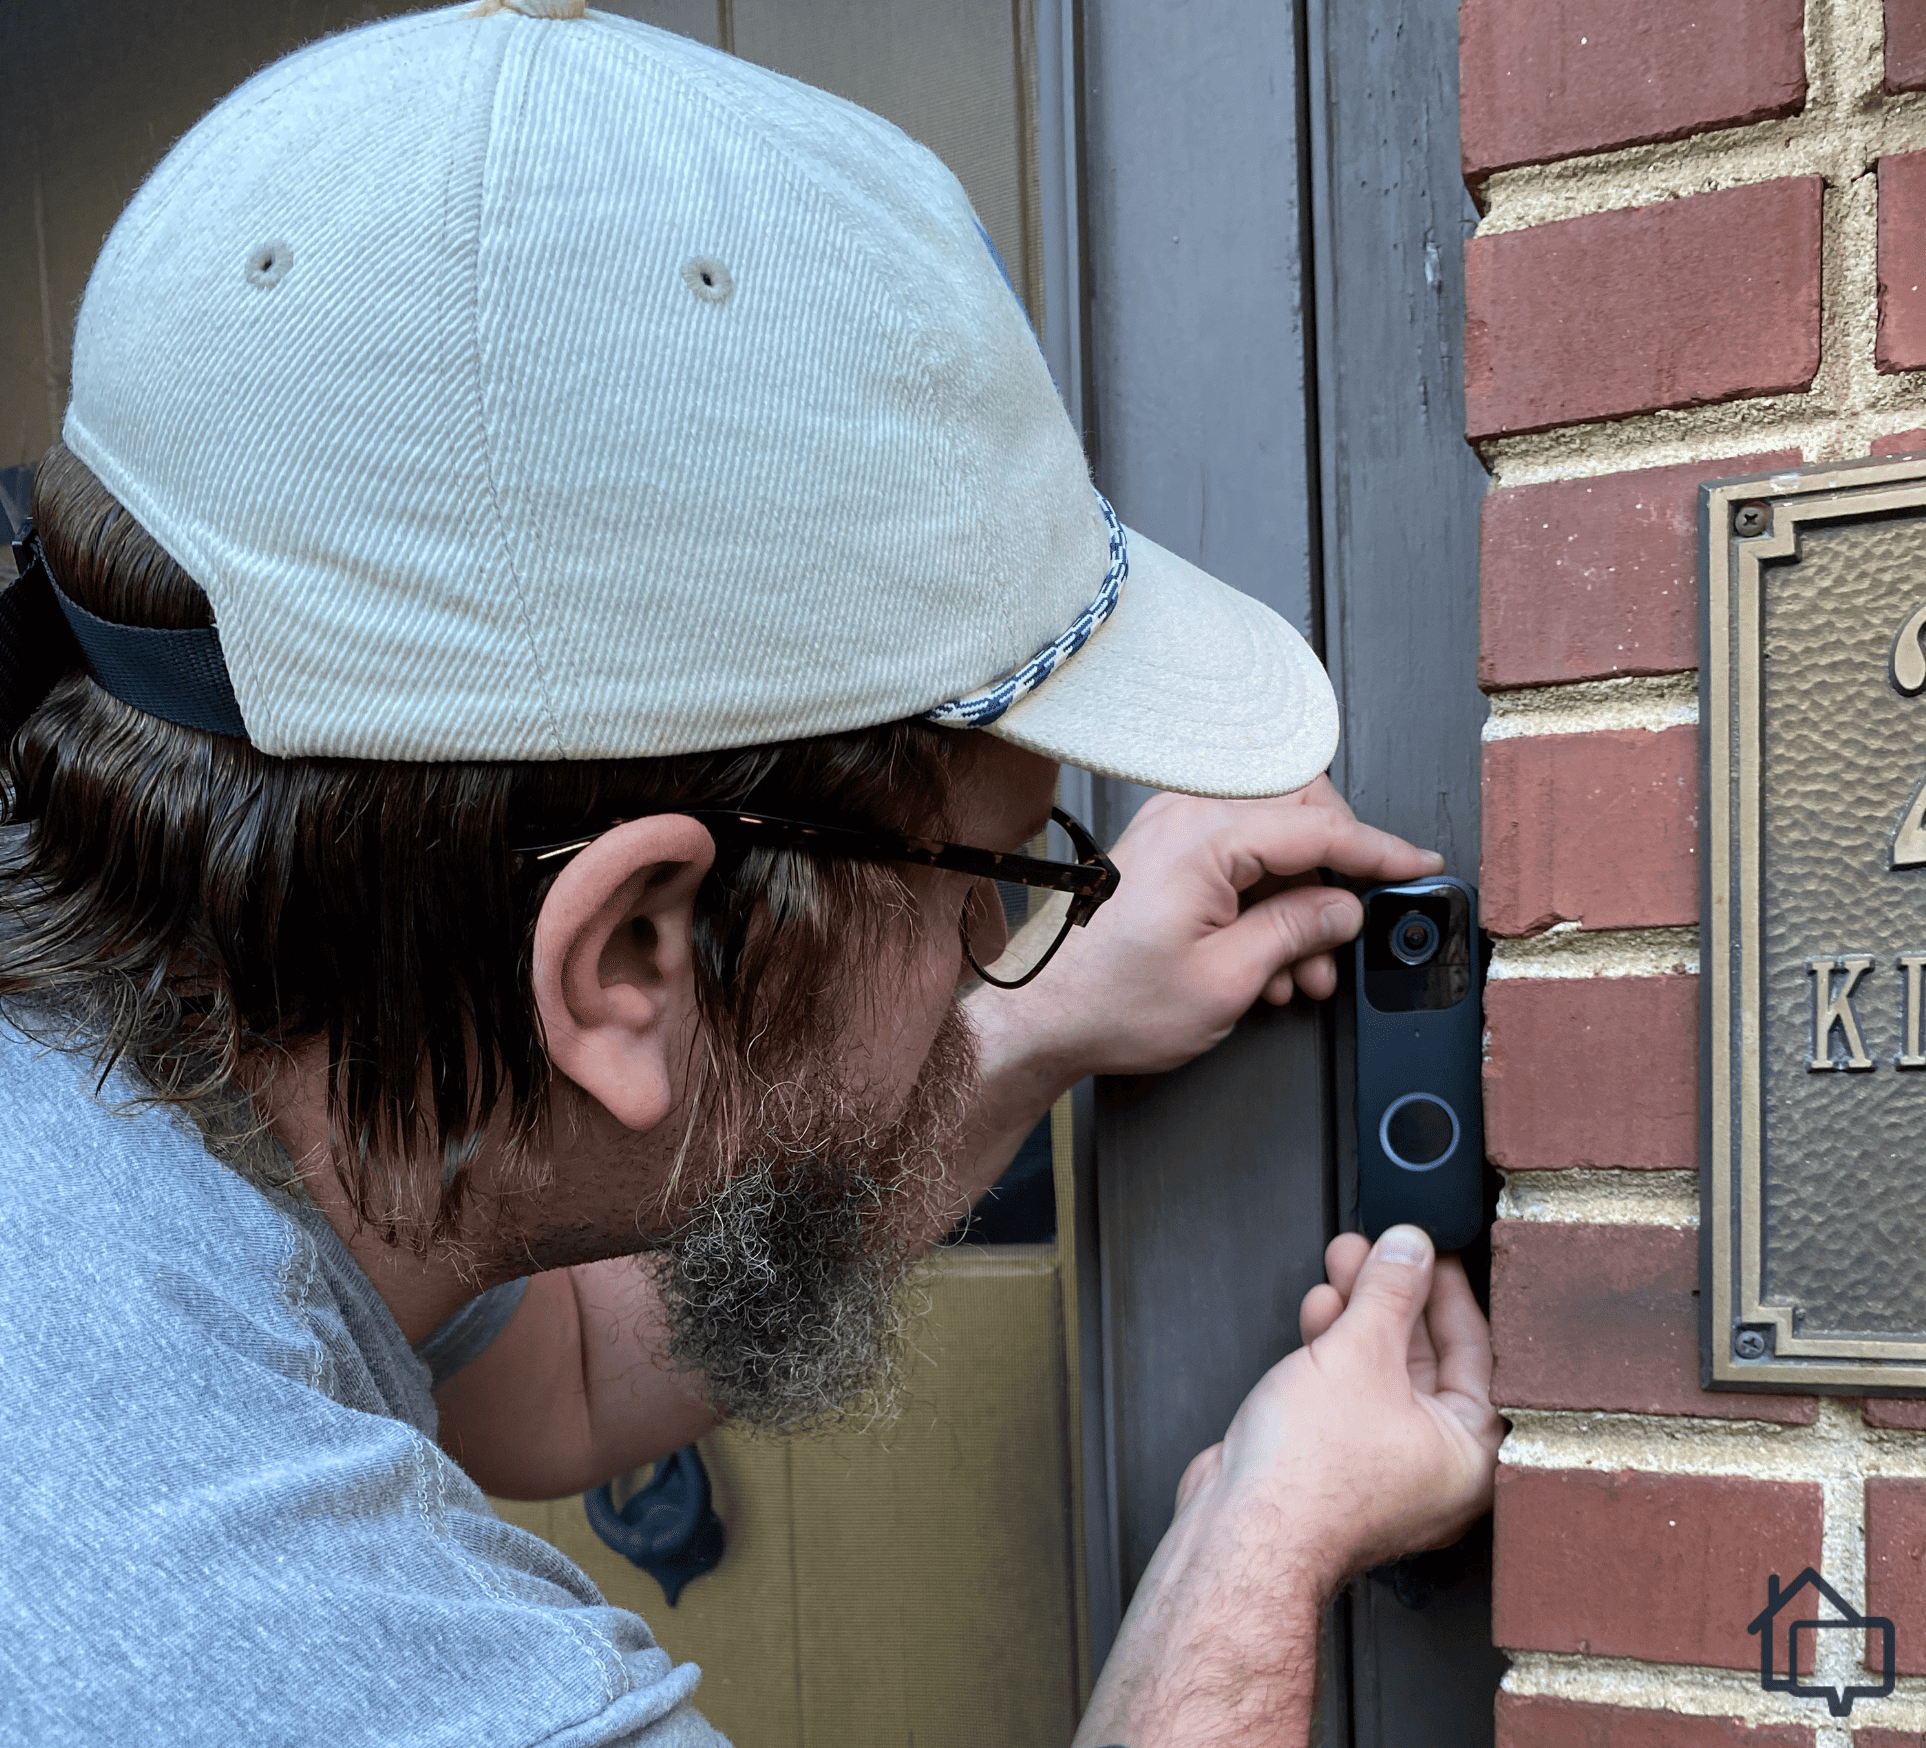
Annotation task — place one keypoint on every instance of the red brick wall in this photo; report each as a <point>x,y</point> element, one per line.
<point>1702,254</point>
<point>1555,78</point>
<point>1543,1722</point>
<point>1711,298</point>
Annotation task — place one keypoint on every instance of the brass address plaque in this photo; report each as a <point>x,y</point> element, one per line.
<point>1812,695</point>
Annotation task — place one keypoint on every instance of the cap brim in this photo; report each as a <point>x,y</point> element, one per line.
<point>1188,685</point>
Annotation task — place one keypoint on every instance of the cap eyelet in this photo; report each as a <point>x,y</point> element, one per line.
<point>268,264</point>
<point>708,279</point>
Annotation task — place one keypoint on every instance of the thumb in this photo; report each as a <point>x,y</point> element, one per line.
<point>1392,1287</point>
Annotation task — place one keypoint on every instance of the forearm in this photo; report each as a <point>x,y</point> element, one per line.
<point>1374,1438</point>
<point>1207,1657</point>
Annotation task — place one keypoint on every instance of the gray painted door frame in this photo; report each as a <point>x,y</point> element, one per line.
<point>1400,490</point>
<point>1266,358</point>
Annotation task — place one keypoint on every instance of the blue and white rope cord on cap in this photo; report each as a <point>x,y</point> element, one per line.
<point>980,709</point>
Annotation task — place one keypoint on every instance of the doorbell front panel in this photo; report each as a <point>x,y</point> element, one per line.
<point>1421,1136</point>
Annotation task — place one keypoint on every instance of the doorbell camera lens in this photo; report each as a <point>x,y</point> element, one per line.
<point>1414,938</point>
<point>1419,1029</point>
<point>1416,951</point>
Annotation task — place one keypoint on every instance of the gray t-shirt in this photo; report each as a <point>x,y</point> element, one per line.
<point>228,1520</point>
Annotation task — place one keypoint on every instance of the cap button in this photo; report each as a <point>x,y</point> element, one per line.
<point>534,8</point>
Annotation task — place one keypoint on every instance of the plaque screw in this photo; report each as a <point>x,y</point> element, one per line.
<point>1749,1344</point>
<point>1749,519</point>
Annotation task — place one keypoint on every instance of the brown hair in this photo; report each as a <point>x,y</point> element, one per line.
<point>185,903</point>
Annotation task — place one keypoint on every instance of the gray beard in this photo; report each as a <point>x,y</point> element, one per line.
<point>784,1286</point>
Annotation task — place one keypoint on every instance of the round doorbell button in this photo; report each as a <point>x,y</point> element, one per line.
<point>1418,1132</point>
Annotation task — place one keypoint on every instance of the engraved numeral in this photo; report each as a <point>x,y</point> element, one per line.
<point>1909,655</point>
<point>1907,668</point>
<point>1909,840</point>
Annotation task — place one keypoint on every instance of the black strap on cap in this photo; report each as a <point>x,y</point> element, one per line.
<point>179,676</point>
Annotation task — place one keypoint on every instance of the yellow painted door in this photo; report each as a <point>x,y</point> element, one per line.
<point>909,1584</point>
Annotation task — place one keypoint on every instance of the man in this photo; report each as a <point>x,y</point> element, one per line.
<point>564,579</point>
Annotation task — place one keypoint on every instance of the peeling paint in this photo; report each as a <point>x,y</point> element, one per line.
<point>1642,701</point>
<point>1708,1693</point>
<point>1834,1449</point>
<point>1630,1196</point>
<point>1571,950</point>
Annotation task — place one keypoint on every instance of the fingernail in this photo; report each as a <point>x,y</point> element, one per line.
<point>1435,858</point>
<point>1338,915</point>
<point>1407,1244</point>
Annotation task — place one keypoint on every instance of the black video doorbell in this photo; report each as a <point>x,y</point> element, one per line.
<point>1421,1132</point>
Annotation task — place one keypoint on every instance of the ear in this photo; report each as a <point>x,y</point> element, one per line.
<point>613,972</point>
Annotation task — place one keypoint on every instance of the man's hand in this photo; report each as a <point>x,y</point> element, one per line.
<point>1219,905</point>
<point>1374,1439</point>
<point>1392,1392</point>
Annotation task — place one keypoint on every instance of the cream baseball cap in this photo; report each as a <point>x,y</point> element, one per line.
<point>521,382</point>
